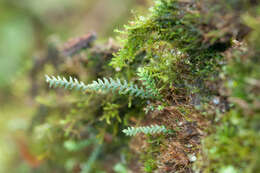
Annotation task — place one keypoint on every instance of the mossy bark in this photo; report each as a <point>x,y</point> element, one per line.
<point>202,60</point>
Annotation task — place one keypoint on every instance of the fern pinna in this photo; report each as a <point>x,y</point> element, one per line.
<point>100,85</point>
<point>148,81</point>
<point>132,131</point>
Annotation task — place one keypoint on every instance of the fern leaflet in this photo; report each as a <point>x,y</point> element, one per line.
<point>148,82</point>
<point>132,131</point>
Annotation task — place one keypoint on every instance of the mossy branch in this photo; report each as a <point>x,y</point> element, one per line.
<point>104,85</point>
<point>132,131</point>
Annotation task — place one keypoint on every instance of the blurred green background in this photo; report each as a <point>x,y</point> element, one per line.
<point>25,28</point>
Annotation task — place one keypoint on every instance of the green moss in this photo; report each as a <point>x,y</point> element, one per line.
<point>168,43</point>
<point>178,63</point>
<point>150,165</point>
<point>235,145</point>
<point>110,112</point>
<point>149,155</point>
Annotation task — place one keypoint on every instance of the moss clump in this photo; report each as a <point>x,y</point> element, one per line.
<point>168,43</point>
<point>235,145</point>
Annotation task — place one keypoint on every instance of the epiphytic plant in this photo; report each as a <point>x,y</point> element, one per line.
<point>132,131</point>
<point>104,85</point>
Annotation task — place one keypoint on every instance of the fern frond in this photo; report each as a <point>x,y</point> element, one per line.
<point>132,131</point>
<point>104,85</point>
<point>148,82</point>
<point>72,83</point>
<point>117,85</point>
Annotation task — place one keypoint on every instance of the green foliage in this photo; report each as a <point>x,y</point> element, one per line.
<point>176,63</point>
<point>166,50</point>
<point>163,24</point>
<point>169,46</point>
<point>148,82</point>
<point>151,108</point>
<point>150,165</point>
<point>132,131</point>
<point>110,112</point>
<point>100,85</point>
<point>63,82</point>
<point>149,155</point>
<point>235,145</point>
<point>122,87</point>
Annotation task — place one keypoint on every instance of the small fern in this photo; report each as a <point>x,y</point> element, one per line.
<point>72,83</point>
<point>100,85</point>
<point>132,131</point>
<point>148,82</point>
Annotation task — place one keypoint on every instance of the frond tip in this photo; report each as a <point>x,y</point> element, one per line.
<point>132,131</point>
<point>72,83</point>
